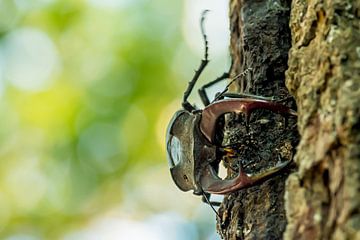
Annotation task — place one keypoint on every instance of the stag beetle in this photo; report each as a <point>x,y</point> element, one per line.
<point>191,151</point>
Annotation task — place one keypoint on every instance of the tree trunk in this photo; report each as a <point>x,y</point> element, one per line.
<point>260,40</point>
<point>318,197</point>
<point>323,196</point>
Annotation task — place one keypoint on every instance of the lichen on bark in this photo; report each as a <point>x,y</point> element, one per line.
<point>323,197</point>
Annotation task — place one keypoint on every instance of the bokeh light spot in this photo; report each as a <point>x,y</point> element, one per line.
<point>27,5</point>
<point>111,3</point>
<point>163,226</point>
<point>26,184</point>
<point>30,59</point>
<point>100,146</point>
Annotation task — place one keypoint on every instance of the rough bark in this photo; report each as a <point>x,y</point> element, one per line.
<point>260,40</point>
<point>323,197</point>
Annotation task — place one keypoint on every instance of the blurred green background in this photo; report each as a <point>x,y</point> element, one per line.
<point>87,88</point>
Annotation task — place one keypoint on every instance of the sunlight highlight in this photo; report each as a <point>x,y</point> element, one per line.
<point>30,59</point>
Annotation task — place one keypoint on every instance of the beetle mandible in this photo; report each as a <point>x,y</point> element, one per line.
<point>191,151</point>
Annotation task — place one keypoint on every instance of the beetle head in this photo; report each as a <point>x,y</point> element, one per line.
<point>179,144</point>
<point>187,150</point>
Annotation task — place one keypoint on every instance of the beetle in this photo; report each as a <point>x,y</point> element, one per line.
<point>190,137</point>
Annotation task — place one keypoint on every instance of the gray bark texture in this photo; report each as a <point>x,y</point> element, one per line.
<point>260,40</point>
<point>314,47</point>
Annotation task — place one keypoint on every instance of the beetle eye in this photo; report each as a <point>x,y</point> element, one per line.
<point>174,151</point>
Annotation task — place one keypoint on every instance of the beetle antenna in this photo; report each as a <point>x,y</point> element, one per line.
<point>220,95</point>
<point>208,202</point>
<point>202,28</point>
<point>186,105</point>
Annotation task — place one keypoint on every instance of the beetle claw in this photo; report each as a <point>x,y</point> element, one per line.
<point>213,184</point>
<point>213,111</point>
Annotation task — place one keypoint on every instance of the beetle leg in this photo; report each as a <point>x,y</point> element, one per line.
<point>206,199</point>
<point>221,94</point>
<point>203,96</point>
<point>212,183</point>
<point>253,96</point>
<point>228,151</point>
<point>247,95</point>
